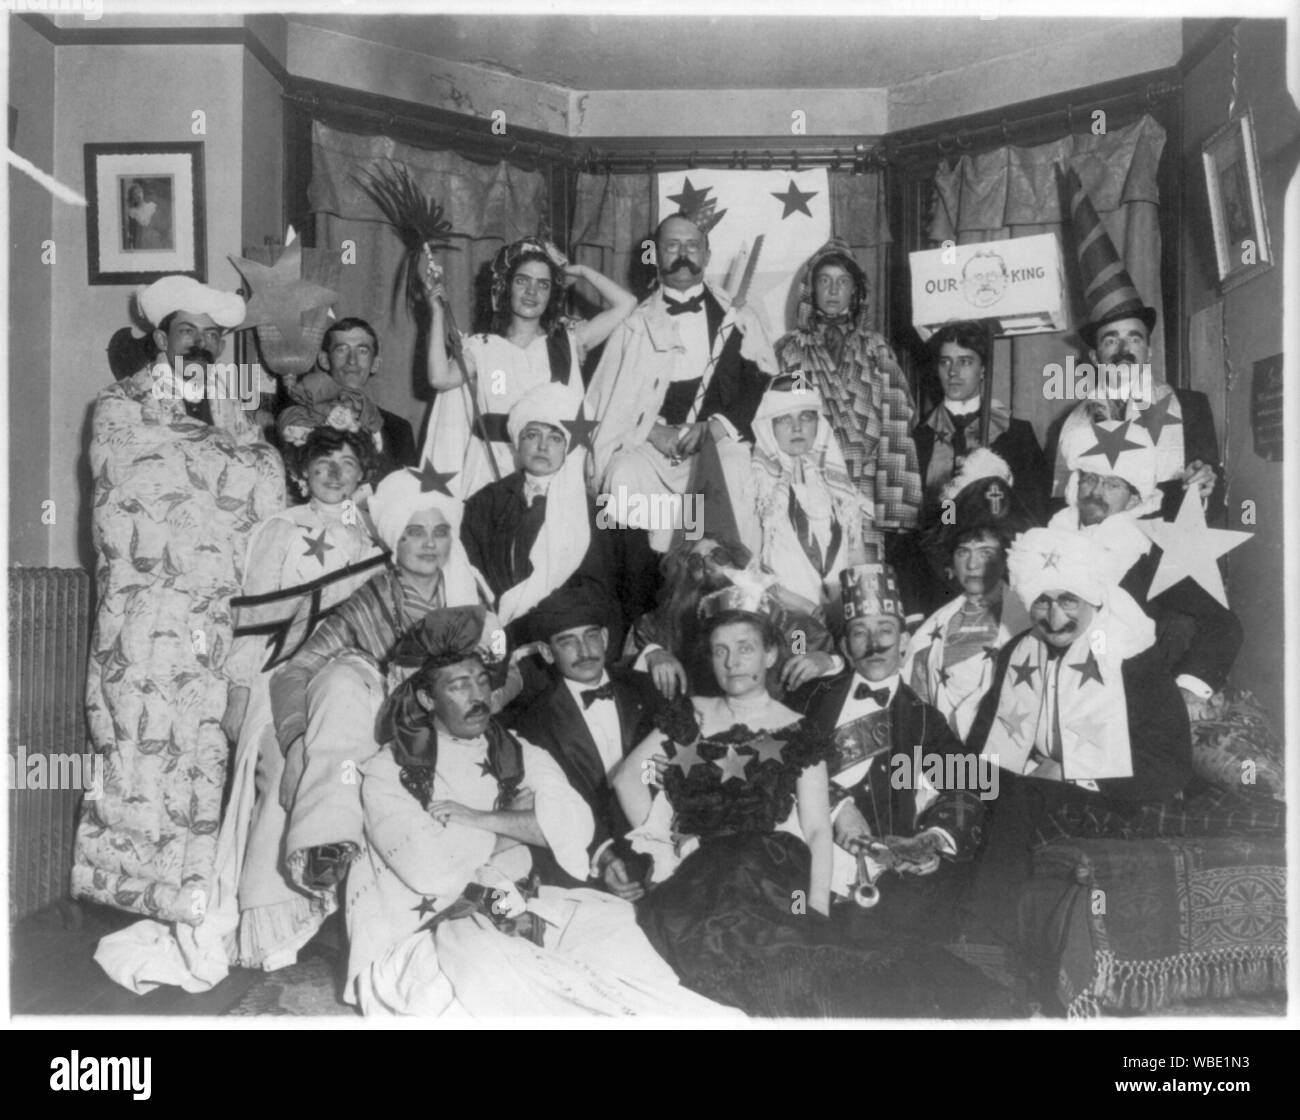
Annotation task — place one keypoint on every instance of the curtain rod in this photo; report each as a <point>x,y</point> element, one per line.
<point>848,156</point>
<point>954,137</point>
<point>460,130</point>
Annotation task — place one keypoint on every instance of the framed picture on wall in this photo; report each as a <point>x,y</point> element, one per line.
<point>146,216</point>
<point>1241,244</point>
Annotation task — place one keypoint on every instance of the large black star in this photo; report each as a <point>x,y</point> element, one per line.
<point>1156,417</point>
<point>1088,670</point>
<point>1114,443</point>
<point>794,200</point>
<point>1025,673</point>
<point>317,546</point>
<point>431,479</point>
<point>580,429</point>
<point>691,198</point>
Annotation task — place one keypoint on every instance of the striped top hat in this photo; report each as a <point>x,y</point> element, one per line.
<point>1108,289</point>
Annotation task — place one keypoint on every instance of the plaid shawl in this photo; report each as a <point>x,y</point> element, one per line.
<point>866,397</point>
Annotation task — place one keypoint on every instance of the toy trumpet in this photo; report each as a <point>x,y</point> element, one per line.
<point>865,892</point>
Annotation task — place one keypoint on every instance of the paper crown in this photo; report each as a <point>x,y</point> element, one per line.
<point>869,589</point>
<point>1108,289</point>
<point>750,599</point>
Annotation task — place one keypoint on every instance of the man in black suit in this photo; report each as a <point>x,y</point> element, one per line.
<point>952,430</point>
<point>350,352</point>
<point>908,799</point>
<point>588,717</point>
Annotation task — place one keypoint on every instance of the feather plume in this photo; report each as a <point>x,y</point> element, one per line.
<point>416,217</point>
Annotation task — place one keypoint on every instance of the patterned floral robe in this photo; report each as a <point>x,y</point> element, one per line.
<point>174,501</point>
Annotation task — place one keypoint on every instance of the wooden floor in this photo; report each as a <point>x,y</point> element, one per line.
<point>53,972</point>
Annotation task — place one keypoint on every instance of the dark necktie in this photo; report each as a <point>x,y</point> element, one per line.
<point>591,695</point>
<point>686,306</point>
<point>879,695</point>
<point>960,424</point>
<point>526,534</point>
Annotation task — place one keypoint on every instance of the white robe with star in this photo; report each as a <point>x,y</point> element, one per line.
<point>594,961</point>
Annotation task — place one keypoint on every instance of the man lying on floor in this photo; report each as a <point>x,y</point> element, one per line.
<point>444,915</point>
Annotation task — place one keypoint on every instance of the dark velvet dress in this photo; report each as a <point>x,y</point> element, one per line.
<point>734,921</point>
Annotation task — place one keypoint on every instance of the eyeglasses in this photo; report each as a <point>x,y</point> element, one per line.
<point>719,556</point>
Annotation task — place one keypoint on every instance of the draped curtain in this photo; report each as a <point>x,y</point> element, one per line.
<point>1012,192</point>
<point>615,213</point>
<point>487,204</point>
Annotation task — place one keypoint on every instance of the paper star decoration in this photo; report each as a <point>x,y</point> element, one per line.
<point>280,295</point>
<point>691,198</point>
<point>686,757</point>
<point>1088,670</point>
<point>580,429</point>
<point>1025,672</point>
<point>1051,560</point>
<point>1112,443</point>
<point>1190,549</point>
<point>943,677</point>
<point>991,653</point>
<point>1014,720</point>
<point>431,479</point>
<point>731,765</point>
<point>317,546</point>
<point>794,200</point>
<point>768,748</point>
<point>426,906</point>
<point>1155,418</point>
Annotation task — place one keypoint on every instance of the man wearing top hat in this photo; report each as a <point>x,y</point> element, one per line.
<point>180,481</point>
<point>908,801</point>
<point>587,716</point>
<point>1118,334</point>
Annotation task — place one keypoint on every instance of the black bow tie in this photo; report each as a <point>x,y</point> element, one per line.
<point>591,695</point>
<point>686,306</point>
<point>879,695</point>
<point>962,420</point>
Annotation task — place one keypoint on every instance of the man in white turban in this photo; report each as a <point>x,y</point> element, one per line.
<point>179,484</point>
<point>1081,716</point>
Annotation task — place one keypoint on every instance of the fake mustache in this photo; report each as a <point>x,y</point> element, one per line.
<point>199,353</point>
<point>478,708</point>
<point>681,262</point>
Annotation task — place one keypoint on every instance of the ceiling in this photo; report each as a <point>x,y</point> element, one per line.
<point>715,52</point>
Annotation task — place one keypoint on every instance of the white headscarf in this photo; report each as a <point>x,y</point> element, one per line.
<point>821,485</point>
<point>398,498</point>
<point>565,535</point>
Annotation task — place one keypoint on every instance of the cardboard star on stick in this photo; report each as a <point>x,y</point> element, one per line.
<point>1191,549</point>
<point>280,295</point>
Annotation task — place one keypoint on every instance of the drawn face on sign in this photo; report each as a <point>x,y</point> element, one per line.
<point>984,279</point>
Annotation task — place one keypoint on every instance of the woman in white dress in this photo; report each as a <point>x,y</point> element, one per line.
<point>528,345</point>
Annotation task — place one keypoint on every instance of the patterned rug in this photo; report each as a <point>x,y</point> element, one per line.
<point>308,988</point>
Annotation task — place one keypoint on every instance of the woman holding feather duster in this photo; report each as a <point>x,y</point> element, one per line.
<point>479,377</point>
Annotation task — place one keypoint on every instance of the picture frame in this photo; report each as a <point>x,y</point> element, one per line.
<point>146,216</point>
<point>1241,243</point>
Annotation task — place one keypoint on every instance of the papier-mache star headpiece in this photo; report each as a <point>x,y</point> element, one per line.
<point>1120,448</point>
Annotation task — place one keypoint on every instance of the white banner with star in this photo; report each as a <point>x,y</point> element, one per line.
<point>790,210</point>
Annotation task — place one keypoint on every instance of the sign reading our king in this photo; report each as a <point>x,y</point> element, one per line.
<point>1018,283</point>
<point>789,210</point>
